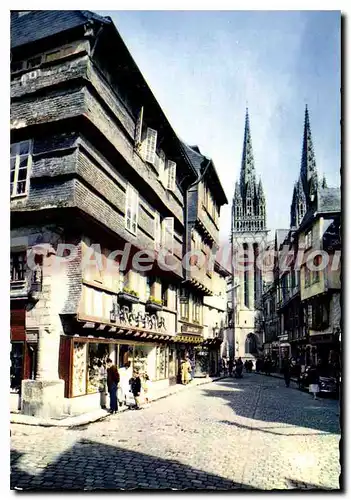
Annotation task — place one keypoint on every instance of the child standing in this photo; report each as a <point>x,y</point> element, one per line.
<point>136,389</point>
<point>146,388</point>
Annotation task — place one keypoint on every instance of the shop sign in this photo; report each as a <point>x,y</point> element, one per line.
<point>186,328</point>
<point>123,316</point>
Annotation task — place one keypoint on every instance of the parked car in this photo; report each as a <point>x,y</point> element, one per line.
<point>327,385</point>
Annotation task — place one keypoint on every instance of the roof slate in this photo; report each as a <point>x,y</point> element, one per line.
<point>40,24</point>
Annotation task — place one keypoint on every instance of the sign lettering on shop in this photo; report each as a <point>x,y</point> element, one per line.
<point>187,328</point>
<point>139,320</point>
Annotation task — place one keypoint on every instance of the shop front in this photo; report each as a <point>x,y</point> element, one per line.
<point>23,354</point>
<point>83,356</point>
<point>186,345</point>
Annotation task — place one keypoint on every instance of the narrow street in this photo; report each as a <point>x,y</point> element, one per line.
<point>248,433</point>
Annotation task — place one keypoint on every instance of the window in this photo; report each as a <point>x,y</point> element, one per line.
<point>168,233</point>
<point>51,56</point>
<point>17,66</point>
<point>157,231</point>
<point>161,165</point>
<point>138,128</point>
<point>196,309</point>
<point>122,281</point>
<point>164,294</point>
<point>149,145</point>
<point>307,277</point>
<point>20,161</point>
<point>132,208</point>
<point>308,239</point>
<point>316,275</point>
<point>171,175</point>
<point>184,304</point>
<point>150,282</point>
<point>34,62</point>
<point>18,266</point>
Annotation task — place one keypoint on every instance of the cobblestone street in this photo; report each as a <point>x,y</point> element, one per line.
<point>248,433</point>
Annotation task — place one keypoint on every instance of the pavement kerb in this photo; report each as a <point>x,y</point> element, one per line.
<point>88,418</point>
<point>276,375</point>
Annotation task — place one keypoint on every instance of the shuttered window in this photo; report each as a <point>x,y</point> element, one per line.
<point>20,161</point>
<point>157,231</point>
<point>132,209</point>
<point>171,175</point>
<point>149,146</point>
<point>138,128</point>
<point>162,167</point>
<point>168,233</point>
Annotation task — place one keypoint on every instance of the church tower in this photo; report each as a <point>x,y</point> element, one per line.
<point>305,188</point>
<point>248,236</point>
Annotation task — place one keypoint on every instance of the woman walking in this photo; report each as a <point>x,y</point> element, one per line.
<point>313,381</point>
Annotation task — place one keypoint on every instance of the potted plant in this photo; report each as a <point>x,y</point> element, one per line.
<point>128,295</point>
<point>154,304</point>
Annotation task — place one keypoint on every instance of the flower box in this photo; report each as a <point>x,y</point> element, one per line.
<point>128,297</point>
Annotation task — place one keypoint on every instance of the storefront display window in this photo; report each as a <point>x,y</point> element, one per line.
<point>98,354</point>
<point>125,355</point>
<point>144,359</point>
<point>161,362</point>
<point>79,368</point>
<point>16,368</point>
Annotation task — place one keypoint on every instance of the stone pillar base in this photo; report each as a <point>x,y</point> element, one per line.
<point>43,398</point>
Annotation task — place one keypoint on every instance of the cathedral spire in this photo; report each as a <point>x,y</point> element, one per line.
<point>247,162</point>
<point>249,205</point>
<point>308,161</point>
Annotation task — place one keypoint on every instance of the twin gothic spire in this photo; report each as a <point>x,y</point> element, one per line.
<point>306,187</point>
<point>249,205</point>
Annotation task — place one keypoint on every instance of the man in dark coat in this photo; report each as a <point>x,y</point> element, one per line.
<point>286,369</point>
<point>112,384</point>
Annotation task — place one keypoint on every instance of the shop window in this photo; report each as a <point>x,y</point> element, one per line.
<point>16,367</point>
<point>79,371</point>
<point>161,362</point>
<point>125,355</point>
<point>144,360</point>
<point>97,357</point>
<point>18,266</point>
<point>20,161</point>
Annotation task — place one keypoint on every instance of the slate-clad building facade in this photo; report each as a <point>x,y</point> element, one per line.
<point>95,165</point>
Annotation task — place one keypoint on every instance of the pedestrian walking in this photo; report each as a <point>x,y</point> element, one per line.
<point>230,367</point>
<point>112,385</point>
<point>185,369</point>
<point>146,384</point>
<point>250,364</point>
<point>286,369</point>
<point>313,381</point>
<point>136,389</point>
<point>246,365</point>
<point>125,374</point>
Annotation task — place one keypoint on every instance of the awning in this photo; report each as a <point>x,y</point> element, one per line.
<point>84,326</point>
<point>188,339</point>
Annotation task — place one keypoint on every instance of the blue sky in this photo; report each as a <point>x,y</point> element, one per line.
<point>205,67</point>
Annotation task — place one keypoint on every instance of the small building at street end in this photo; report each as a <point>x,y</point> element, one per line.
<point>98,179</point>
